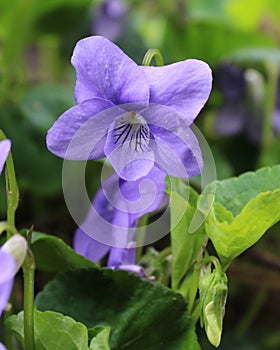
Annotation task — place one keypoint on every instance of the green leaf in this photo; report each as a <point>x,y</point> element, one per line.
<point>185,245</point>
<point>53,331</point>
<point>245,208</point>
<point>38,169</point>
<point>44,103</point>
<point>101,340</point>
<point>141,314</point>
<point>53,255</point>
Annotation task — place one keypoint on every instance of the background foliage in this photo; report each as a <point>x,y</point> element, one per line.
<point>36,86</point>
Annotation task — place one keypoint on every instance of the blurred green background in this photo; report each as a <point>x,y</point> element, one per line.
<point>36,86</point>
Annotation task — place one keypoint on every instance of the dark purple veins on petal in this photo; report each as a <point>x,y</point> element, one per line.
<point>135,131</point>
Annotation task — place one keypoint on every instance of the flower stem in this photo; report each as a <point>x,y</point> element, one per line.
<point>270,101</point>
<point>28,302</point>
<point>141,230</point>
<point>12,189</point>
<point>150,54</point>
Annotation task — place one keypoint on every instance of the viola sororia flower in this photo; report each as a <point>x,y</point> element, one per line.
<point>137,116</point>
<point>117,207</point>
<point>8,270</point>
<point>109,19</point>
<point>242,109</point>
<point>5,147</point>
<point>12,254</point>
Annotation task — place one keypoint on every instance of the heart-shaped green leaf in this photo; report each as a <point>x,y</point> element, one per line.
<point>101,340</point>
<point>141,314</point>
<point>245,207</point>
<point>53,255</point>
<point>53,331</point>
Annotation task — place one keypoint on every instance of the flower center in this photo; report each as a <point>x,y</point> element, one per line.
<point>132,128</point>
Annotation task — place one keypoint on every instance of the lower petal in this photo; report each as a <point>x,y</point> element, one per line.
<point>178,154</point>
<point>175,146</point>
<point>129,164</point>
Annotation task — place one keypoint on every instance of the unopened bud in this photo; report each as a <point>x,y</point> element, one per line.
<point>213,294</point>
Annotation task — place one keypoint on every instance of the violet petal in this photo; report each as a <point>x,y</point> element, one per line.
<point>5,147</point>
<point>103,70</point>
<point>80,132</point>
<point>8,269</point>
<point>184,86</point>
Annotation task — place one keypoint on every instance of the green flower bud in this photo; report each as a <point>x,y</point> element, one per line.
<point>17,247</point>
<point>213,294</point>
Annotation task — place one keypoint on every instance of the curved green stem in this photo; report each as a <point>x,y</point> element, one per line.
<point>12,188</point>
<point>5,226</point>
<point>213,260</point>
<point>150,54</point>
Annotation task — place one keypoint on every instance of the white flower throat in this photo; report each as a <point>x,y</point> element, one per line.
<point>132,129</point>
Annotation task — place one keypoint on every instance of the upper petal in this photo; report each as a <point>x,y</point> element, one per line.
<point>104,70</point>
<point>185,86</point>
<point>5,147</point>
<point>80,132</point>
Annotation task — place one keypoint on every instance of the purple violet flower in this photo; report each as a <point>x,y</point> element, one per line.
<point>12,255</point>
<point>118,205</point>
<point>2,347</point>
<point>137,116</point>
<point>5,147</point>
<point>242,110</point>
<point>8,270</point>
<point>109,19</point>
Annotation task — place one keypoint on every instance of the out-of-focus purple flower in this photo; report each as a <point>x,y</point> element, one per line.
<point>12,254</point>
<point>2,347</point>
<point>276,114</point>
<point>243,103</point>
<point>137,116</point>
<point>109,19</point>
<point>118,205</point>
<point>5,147</point>
<point>8,270</point>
